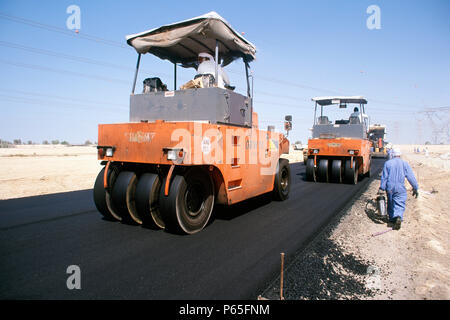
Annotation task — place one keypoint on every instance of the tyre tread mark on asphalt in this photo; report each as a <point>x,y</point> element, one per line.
<point>47,220</point>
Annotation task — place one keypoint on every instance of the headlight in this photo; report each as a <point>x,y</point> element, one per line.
<point>176,155</point>
<point>109,152</point>
<point>352,152</point>
<point>316,151</point>
<point>172,155</point>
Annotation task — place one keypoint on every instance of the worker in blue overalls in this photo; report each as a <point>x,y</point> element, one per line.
<point>393,183</point>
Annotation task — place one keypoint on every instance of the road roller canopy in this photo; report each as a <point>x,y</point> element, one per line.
<point>326,101</point>
<point>181,42</point>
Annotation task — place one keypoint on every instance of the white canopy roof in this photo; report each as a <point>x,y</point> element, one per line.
<point>181,42</point>
<point>325,101</point>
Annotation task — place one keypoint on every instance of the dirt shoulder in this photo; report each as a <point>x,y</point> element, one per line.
<point>355,258</point>
<point>37,169</point>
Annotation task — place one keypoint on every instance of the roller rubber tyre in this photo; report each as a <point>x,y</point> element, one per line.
<point>123,196</point>
<point>310,170</point>
<point>336,171</point>
<point>190,202</point>
<point>322,171</point>
<point>147,200</point>
<point>369,172</point>
<point>102,197</point>
<point>351,174</point>
<point>282,183</point>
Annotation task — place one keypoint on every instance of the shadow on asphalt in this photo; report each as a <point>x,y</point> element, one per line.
<point>224,212</point>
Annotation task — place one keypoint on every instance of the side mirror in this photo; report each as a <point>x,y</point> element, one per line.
<point>288,124</point>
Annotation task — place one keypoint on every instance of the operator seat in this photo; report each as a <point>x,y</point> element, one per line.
<point>323,120</point>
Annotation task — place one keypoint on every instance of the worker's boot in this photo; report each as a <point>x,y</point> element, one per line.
<point>397,223</point>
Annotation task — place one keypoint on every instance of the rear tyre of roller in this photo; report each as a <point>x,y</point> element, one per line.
<point>322,171</point>
<point>147,200</point>
<point>336,171</point>
<point>123,196</point>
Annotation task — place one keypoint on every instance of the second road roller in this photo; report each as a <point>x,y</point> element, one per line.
<point>339,151</point>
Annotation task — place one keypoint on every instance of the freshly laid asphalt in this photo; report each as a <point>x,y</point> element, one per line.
<point>234,257</point>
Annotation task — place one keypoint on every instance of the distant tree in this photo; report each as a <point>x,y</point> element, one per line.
<point>87,143</point>
<point>17,141</point>
<point>45,142</point>
<point>30,142</point>
<point>55,141</point>
<point>428,143</point>
<point>65,143</point>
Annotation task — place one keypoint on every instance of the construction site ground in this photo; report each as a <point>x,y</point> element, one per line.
<point>359,256</point>
<point>353,258</point>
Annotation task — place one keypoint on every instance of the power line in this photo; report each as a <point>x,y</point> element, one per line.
<point>65,72</point>
<point>34,94</point>
<point>119,44</point>
<point>69,105</point>
<point>104,41</point>
<point>65,31</point>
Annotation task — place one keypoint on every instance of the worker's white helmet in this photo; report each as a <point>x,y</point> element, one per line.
<point>206,55</point>
<point>397,152</point>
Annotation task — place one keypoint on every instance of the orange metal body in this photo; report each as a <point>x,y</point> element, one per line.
<point>227,152</point>
<point>340,147</point>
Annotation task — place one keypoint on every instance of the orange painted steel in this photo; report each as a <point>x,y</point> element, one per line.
<point>339,147</point>
<point>241,160</point>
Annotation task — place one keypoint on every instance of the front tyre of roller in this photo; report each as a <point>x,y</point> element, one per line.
<point>351,173</point>
<point>282,183</point>
<point>310,170</point>
<point>190,202</point>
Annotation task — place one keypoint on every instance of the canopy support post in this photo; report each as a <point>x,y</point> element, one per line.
<point>315,111</point>
<point>246,74</point>
<point>136,73</point>
<point>217,63</point>
<point>175,77</point>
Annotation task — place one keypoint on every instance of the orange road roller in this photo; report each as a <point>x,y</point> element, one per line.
<point>186,150</point>
<point>339,151</point>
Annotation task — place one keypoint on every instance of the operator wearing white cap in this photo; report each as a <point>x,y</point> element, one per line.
<point>207,65</point>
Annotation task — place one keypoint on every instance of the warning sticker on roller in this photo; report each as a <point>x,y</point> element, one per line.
<point>206,145</point>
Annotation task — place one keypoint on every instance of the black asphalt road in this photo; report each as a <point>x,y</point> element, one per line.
<point>232,258</point>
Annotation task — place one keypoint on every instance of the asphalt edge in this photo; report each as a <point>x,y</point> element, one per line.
<point>326,229</point>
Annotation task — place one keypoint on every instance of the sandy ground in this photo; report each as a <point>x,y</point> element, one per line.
<point>42,169</point>
<point>355,258</point>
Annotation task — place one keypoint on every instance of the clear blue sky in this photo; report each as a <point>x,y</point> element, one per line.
<point>55,84</point>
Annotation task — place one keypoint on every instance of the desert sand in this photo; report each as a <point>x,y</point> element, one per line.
<point>31,170</point>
